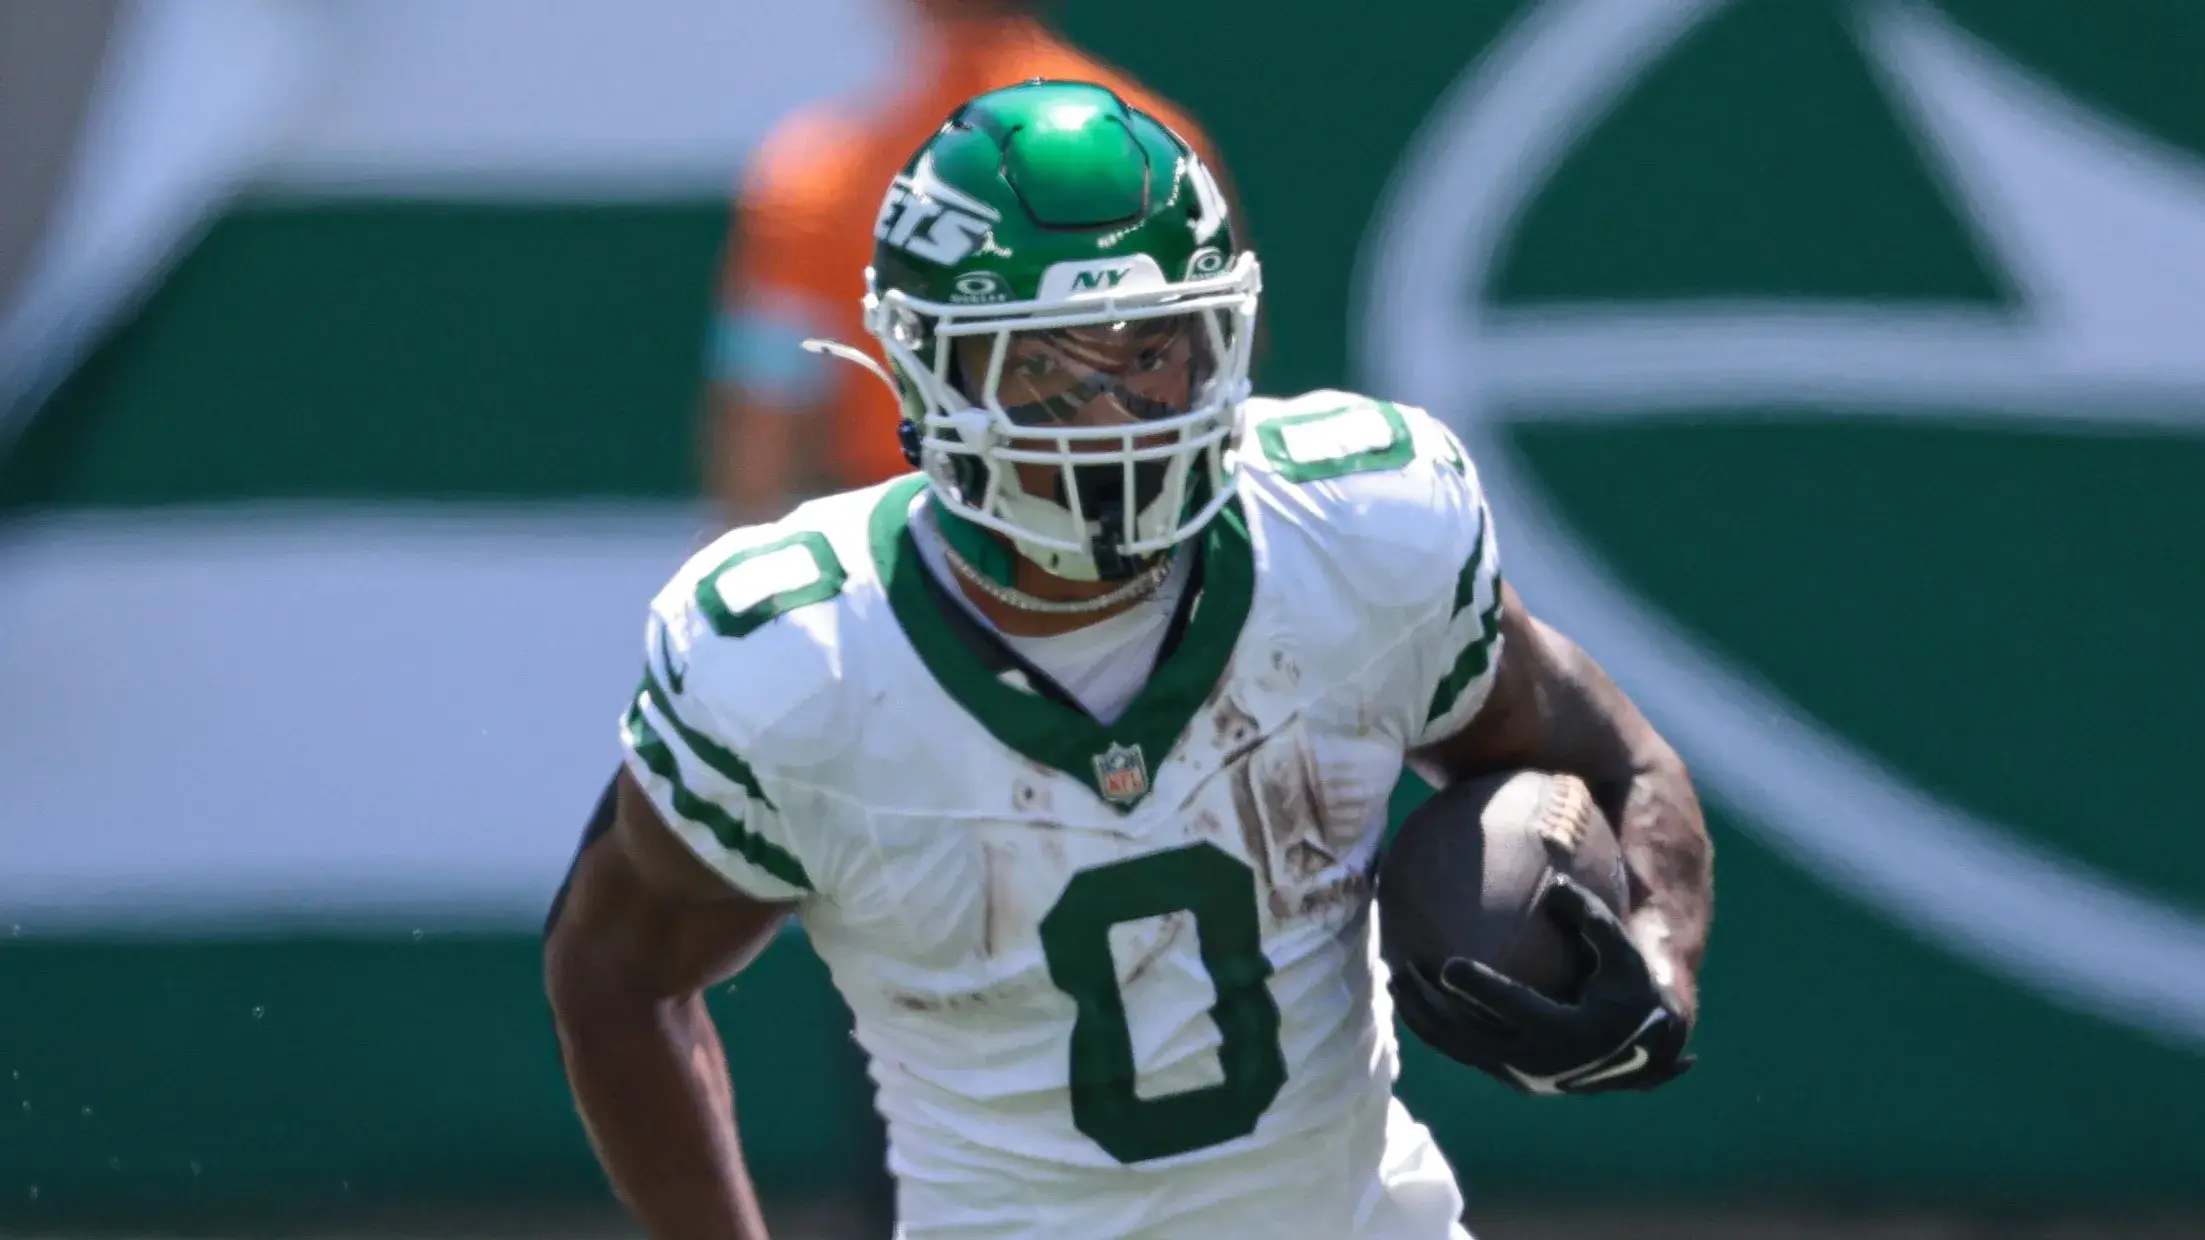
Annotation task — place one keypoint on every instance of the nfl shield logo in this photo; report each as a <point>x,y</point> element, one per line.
<point>1121,773</point>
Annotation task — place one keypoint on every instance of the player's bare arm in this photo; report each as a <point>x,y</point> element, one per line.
<point>1553,708</point>
<point>639,931</point>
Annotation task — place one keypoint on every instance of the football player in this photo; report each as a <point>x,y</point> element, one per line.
<point>1071,752</point>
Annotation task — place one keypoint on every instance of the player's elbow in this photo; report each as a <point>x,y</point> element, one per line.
<point>583,984</point>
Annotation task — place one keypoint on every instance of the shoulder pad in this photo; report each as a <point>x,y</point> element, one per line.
<point>751,630</point>
<point>1387,486</point>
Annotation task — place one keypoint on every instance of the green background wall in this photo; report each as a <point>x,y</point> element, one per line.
<point>2001,612</point>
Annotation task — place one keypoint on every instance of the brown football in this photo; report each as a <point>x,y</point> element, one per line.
<point>1465,874</point>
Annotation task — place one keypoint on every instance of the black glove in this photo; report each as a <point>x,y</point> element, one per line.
<point>1626,1031</point>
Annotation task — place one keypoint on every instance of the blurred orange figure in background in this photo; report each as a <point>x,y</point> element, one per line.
<point>784,423</point>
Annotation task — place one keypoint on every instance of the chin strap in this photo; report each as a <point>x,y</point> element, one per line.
<point>907,433</point>
<point>855,356</point>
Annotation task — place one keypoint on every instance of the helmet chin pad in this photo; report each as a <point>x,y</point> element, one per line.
<point>1109,524</point>
<point>1102,497</point>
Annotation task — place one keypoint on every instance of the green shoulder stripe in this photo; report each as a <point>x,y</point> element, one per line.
<point>1466,585</point>
<point>1474,659</point>
<point>715,755</point>
<point>1478,655</point>
<point>725,827</point>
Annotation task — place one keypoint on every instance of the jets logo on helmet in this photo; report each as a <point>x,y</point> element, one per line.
<point>954,223</point>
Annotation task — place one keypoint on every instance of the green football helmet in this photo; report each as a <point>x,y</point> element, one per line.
<point>1067,317</point>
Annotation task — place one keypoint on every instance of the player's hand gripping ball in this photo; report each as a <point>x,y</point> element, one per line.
<point>1497,903</point>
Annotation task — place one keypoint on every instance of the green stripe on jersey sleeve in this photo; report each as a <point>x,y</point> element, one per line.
<point>713,754</point>
<point>1480,575</point>
<point>1466,582</point>
<point>739,831</point>
<point>1474,661</point>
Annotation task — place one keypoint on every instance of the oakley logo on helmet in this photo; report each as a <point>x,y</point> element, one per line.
<point>979,288</point>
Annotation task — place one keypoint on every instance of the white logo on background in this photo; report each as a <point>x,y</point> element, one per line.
<point>2100,228</point>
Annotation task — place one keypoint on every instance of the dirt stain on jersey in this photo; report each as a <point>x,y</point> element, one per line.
<point>1348,891</point>
<point>1030,789</point>
<point>1274,809</point>
<point>1292,795</point>
<point>1028,797</point>
<point>1249,817</point>
<point>973,1000</point>
<point>1174,925</point>
<point>1233,727</point>
<point>1000,906</point>
<point>1298,827</point>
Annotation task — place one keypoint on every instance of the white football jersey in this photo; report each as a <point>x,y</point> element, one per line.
<point>1113,980</point>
